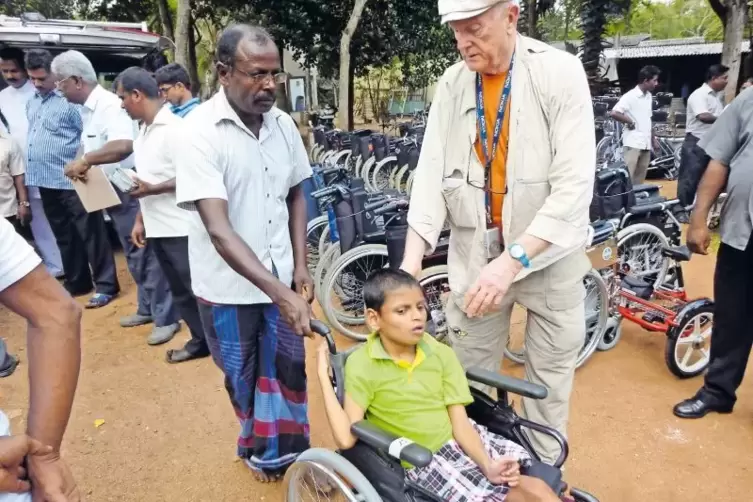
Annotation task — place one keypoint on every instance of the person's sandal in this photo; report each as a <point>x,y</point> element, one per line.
<point>8,366</point>
<point>99,300</point>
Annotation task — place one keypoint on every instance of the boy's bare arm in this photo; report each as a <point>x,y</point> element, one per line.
<point>467,437</point>
<point>339,419</point>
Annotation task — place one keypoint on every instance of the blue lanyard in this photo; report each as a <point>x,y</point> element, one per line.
<point>483,132</point>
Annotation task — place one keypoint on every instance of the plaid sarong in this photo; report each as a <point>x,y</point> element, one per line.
<point>265,375</point>
<point>454,477</point>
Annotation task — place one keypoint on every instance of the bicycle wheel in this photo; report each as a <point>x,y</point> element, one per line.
<point>596,305</point>
<point>688,349</point>
<point>342,289</point>
<point>639,249</point>
<point>436,286</point>
<point>314,231</point>
<point>320,474</point>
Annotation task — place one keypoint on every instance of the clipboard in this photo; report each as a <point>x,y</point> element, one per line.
<point>96,193</point>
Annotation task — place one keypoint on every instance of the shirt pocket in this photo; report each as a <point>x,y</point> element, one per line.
<point>52,122</point>
<point>460,200</point>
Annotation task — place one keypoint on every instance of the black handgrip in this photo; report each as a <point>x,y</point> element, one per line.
<point>323,330</point>
<point>414,454</point>
<point>324,192</point>
<point>391,207</point>
<point>375,203</point>
<point>506,383</point>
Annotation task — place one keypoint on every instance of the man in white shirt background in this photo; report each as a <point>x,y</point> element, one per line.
<point>634,109</point>
<point>13,101</point>
<point>704,107</point>
<point>161,224</point>
<point>107,140</point>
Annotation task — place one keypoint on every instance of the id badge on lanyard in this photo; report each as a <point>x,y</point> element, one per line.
<point>497,133</point>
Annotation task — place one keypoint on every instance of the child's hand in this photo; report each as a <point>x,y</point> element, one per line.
<point>323,360</point>
<point>503,470</point>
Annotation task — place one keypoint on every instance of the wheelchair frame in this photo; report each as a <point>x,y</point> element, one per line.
<point>497,415</point>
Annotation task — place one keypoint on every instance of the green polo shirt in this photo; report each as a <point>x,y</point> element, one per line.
<point>408,400</point>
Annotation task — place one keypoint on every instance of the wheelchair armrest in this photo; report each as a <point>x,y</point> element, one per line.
<point>506,383</point>
<point>400,448</point>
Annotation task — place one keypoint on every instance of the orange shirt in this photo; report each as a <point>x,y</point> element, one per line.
<point>492,86</point>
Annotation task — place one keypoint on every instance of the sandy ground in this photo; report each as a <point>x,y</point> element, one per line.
<point>169,431</point>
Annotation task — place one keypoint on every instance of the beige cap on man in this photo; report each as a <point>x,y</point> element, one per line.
<point>455,10</point>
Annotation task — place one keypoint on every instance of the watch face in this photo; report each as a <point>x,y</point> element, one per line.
<point>516,251</point>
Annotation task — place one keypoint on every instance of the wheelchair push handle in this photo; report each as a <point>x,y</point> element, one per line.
<point>323,330</point>
<point>392,207</point>
<point>324,192</point>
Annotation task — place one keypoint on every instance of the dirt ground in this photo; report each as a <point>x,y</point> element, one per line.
<point>169,431</point>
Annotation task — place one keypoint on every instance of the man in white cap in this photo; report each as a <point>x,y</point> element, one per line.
<point>511,125</point>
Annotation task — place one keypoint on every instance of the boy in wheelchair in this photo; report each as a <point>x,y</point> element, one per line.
<point>407,383</point>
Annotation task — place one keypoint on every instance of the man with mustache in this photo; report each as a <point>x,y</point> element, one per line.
<point>241,163</point>
<point>509,158</point>
<point>13,102</point>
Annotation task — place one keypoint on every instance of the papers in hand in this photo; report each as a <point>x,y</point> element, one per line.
<point>96,192</point>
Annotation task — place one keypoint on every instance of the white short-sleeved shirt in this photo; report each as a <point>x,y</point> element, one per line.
<point>17,258</point>
<point>702,100</point>
<point>13,105</point>
<point>637,105</point>
<point>220,158</point>
<point>11,164</point>
<point>105,120</point>
<point>155,163</point>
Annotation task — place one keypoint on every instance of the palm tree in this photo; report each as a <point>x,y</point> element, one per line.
<point>594,17</point>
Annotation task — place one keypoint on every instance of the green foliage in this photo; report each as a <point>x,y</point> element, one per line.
<point>676,19</point>
<point>51,9</point>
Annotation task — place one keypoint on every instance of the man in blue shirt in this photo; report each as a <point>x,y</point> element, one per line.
<point>175,87</point>
<point>54,137</point>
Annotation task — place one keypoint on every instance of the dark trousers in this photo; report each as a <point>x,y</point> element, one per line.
<point>83,243</point>
<point>22,230</point>
<point>153,290</point>
<point>693,162</point>
<point>172,255</point>
<point>732,335</point>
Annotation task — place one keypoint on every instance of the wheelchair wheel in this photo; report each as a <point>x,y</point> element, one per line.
<point>596,305</point>
<point>314,231</point>
<point>688,349</point>
<point>436,286</point>
<point>320,474</point>
<point>326,260</point>
<point>612,334</point>
<point>639,249</point>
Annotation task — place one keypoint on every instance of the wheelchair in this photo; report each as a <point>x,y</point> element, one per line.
<point>371,471</point>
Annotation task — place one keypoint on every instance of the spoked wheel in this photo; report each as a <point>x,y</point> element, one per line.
<point>436,285</point>
<point>639,249</point>
<point>688,349</point>
<point>596,305</point>
<point>329,257</point>
<point>341,294</point>
<point>320,475</point>
<point>314,231</point>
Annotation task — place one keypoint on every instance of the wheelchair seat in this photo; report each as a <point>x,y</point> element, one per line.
<point>678,253</point>
<point>638,287</point>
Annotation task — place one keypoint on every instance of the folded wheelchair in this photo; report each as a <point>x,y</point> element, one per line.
<point>371,471</point>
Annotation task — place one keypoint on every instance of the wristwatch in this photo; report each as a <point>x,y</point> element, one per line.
<point>24,203</point>
<point>518,253</point>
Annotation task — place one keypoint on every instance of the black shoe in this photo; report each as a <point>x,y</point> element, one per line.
<point>699,407</point>
<point>683,217</point>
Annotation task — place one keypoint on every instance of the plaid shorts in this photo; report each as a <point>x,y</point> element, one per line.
<point>454,476</point>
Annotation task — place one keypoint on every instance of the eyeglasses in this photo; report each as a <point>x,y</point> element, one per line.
<point>263,76</point>
<point>58,83</point>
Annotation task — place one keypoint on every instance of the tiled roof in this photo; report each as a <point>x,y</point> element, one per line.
<point>669,48</point>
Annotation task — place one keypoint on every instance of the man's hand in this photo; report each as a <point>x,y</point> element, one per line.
<point>304,284</point>
<point>503,470</point>
<point>76,169</point>
<point>138,234</point>
<point>24,214</point>
<point>143,189</point>
<point>630,125</point>
<point>13,450</point>
<point>699,236</point>
<point>51,479</point>
<point>491,286</point>
<point>296,311</point>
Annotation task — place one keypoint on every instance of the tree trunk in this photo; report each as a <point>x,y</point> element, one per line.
<point>345,114</point>
<point>193,64</point>
<point>166,21</point>
<point>183,46</point>
<point>281,93</point>
<point>531,14</point>
<point>734,25</point>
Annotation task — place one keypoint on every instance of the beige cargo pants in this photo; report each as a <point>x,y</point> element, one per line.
<point>555,332</point>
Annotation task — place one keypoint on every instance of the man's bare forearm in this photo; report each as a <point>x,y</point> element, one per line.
<point>706,117</point>
<point>110,153</point>
<point>165,187</point>
<point>621,117</point>
<point>413,256</point>
<point>54,348</point>
<point>20,184</point>
<point>712,185</point>
<point>297,216</point>
<point>235,251</point>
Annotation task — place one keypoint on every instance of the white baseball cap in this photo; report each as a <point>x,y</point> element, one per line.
<point>455,10</point>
